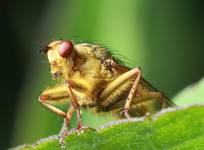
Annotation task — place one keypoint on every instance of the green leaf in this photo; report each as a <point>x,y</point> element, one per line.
<point>192,94</point>
<point>172,128</point>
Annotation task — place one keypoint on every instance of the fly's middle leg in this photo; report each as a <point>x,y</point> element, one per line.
<point>74,102</point>
<point>63,131</point>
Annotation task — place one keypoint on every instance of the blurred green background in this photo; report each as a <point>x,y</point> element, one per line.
<point>165,38</point>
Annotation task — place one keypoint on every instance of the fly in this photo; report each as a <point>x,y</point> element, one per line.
<point>92,78</point>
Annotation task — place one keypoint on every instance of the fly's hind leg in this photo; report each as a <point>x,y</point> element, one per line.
<point>134,73</point>
<point>131,93</point>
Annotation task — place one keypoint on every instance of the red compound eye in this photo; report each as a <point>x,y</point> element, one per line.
<point>65,48</point>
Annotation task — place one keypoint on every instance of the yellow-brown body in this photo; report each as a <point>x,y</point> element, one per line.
<point>90,77</point>
<point>91,69</point>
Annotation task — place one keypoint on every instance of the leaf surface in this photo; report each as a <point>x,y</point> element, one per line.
<point>172,128</point>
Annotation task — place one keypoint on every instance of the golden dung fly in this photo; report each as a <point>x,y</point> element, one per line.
<point>92,78</point>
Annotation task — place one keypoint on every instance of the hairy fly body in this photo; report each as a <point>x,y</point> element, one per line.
<point>92,78</point>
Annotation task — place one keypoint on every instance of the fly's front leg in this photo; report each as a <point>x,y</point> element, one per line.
<point>57,95</point>
<point>74,102</point>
